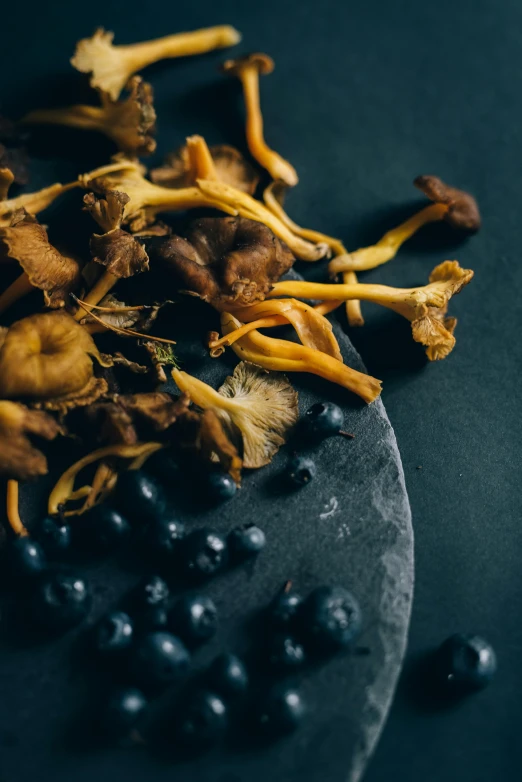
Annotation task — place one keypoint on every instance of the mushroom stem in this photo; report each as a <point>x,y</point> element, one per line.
<point>13,514</point>
<point>19,288</point>
<point>277,166</point>
<point>353,307</point>
<point>33,202</point>
<point>78,116</point>
<point>386,248</point>
<point>393,298</point>
<point>201,161</point>
<point>106,282</point>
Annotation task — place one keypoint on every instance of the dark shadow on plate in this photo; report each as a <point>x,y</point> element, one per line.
<point>222,101</point>
<point>421,688</point>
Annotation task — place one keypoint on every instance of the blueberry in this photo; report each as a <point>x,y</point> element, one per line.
<point>205,553</point>
<point>286,652</point>
<point>113,633</point>
<point>281,711</point>
<point>149,604</point>
<point>246,541</point>
<point>323,419</point>
<point>138,496</point>
<point>61,600</point>
<point>159,659</point>
<point>124,709</point>
<point>301,470</point>
<point>152,618</point>
<point>204,720</point>
<point>162,537</point>
<point>25,559</point>
<point>466,662</point>
<point>102,529</point>
<point>330,619</point>
<point>194,618</point>
<point>54,536</point>
<point>220,486</point>
<point>228,676</point>
<point>284,607</point>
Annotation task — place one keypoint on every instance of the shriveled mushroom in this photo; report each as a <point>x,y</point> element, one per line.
<point>112,66</point>
<point>130,123</point>
<point>263,407</point>
<point>44,267</point>
<point>225,260</point>
<point>247,69</point>
<point>48,358</point>
<point>227,165</point>
<point>456,207</point>
<point>280,355</point>
<point>424,307</point>
<point>19,459</point>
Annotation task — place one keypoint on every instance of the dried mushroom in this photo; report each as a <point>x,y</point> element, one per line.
<point>280,355</point>
<point>130,123</point>
<point>48,358</point>
<point>19,459</point>
<point>31,202</point>
<point>44,267</point>
<point>225,260</point>
<point>13,154</point>
<point>456,207</point>
<point>247,69</point>
<point>112,66</point>
<point>263,407</point>
<point>424,307</point>
<point>228,163</point>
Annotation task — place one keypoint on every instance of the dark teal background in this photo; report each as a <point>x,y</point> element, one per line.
<point>366,96</point>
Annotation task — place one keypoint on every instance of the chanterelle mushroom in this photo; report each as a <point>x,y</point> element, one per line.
<point>48,358</point>
<point>424,307</point>
<point>247,70</point>
<point>130,123</point>
<point>456,207</point>
<point>225,260</point>
<point>263,407</point>
<point>112,66</point>
<point>31,202</point>
<point>43,265</point>
<point>19,459</point>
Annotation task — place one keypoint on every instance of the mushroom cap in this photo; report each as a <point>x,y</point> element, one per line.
<point>18,457</point>
<point>263,63</point>
<point>463,212</point>
<point>231,168</point>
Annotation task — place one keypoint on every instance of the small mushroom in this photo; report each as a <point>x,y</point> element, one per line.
<point>130,123</point>
<point>456,207</point>
<point>225,260</point>
<point>424,307</point>
<point>19,459</point>
<point>261,406</point>
<point>44,267</point>
<point>48,358</point>
<point>33,203</point>
<point>247,69</point>
<point>112,66</point>
<point>280,355</point>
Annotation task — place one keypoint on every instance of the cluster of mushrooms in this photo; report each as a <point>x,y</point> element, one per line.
<point>50,365</point>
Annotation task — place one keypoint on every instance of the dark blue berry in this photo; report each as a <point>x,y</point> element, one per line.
<point>162,537</point>
<point>194,618</point>
<point>281,711</point>
<point>331,619</point>
<point>205,554</point>
<point>204,720</point>
<point>149,604</point>
<point>466,662</point>
<point>139,496</point>
<point>124,709</point>
<point>25,559</point>
<point>246,541</point>
<point>301,470</point>
<point>323,419</point>
<point>284,607</point>
<point>220,486</point>
<point>113,634</point>
<point>228,676</point>
<point>61,600</point>
<point>102,530</point>
<point>159,659</point>
<point>152,618</point>
<point>54,536</point>
<point>286,652</point>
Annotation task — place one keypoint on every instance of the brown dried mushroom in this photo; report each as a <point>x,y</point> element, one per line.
<point>44,267</point>
<point>225,260</point>
<point>31,202</point>
<point>19,458</point>
<point>112,66</point>
<point>130,123</point>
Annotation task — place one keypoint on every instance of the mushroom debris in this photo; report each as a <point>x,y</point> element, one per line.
<point>54,377</point>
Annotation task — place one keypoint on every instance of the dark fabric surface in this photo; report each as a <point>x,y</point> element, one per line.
<point>366,96</point>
